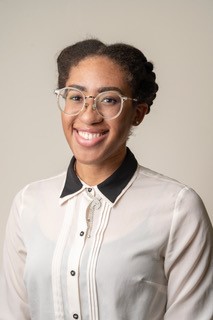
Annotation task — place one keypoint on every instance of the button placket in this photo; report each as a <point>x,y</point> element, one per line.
<point>87,201</point>
<point>75,250</point>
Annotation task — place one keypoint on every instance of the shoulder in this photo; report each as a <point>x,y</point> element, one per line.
<point>182,199</point>
<point>159,183</point>
<point>159,178</point>
<point>162,182</point>
<point>49,187</point>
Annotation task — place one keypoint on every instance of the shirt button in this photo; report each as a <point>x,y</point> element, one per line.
<point>72,274</point>
<point>75,316</point>
<point>81,233</point>
<point>89,189</point>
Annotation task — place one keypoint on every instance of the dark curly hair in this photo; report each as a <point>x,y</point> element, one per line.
<point>139,71</point>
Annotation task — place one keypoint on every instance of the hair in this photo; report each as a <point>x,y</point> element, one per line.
<point>139,71</point>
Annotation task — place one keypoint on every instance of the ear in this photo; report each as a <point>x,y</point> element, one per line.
<point>140,112</point>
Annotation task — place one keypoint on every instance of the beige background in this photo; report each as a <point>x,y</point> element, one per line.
<point>175,139</point>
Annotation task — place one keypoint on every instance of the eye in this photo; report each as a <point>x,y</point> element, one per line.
<point>110,99</point>
<point>74,96</point>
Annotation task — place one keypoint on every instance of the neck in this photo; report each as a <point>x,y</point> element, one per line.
<point>93,174</point>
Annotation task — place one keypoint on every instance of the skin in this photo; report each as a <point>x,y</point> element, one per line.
<point>99,145</point>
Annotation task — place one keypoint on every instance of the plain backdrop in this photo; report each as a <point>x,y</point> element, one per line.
<point>175,139</point>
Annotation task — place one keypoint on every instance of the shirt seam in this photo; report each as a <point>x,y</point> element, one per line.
<point>162,177</point>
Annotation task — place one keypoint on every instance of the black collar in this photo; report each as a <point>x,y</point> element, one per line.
<point>112,186</point>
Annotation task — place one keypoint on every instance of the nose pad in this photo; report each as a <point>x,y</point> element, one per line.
<point>93,104</point>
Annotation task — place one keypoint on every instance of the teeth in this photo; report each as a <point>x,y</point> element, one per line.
<point>89,136</point>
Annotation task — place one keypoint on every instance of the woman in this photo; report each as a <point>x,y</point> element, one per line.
<point>110,239</point>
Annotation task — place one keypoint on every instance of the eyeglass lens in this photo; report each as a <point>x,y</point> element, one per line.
<point>108,104</point>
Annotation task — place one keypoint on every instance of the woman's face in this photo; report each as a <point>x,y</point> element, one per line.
<point>92,139</point>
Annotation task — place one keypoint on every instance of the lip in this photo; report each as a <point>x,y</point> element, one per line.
<point>89,138</point>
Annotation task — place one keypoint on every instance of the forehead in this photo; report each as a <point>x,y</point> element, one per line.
<point>98,71</point>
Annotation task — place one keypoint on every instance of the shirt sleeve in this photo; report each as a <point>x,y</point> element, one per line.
<point>13,295</point>
<point>189,261</point>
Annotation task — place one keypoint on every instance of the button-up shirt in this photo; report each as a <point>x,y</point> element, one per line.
<point>136,246</point>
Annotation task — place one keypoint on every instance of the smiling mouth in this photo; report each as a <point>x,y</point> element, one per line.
<point>90,136</point>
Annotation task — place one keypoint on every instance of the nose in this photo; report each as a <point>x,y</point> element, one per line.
<point>89,114</point>
<point>87,102</point>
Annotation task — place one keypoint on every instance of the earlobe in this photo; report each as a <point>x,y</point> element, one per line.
<point>140,112</point>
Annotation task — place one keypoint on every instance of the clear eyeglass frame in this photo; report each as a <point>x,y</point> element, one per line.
<point>60,93</point>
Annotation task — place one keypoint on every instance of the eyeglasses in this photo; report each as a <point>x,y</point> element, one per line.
<point>108,104</point>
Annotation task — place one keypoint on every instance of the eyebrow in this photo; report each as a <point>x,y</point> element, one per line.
<point>101,89</point>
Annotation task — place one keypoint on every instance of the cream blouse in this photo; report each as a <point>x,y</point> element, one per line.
<point>138,246</point>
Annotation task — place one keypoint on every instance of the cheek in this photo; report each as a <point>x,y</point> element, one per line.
<point>66,124</point>
<point>123,129</point>
<point>126,122</point>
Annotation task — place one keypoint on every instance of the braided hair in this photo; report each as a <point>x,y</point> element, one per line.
<point>139,71</point>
